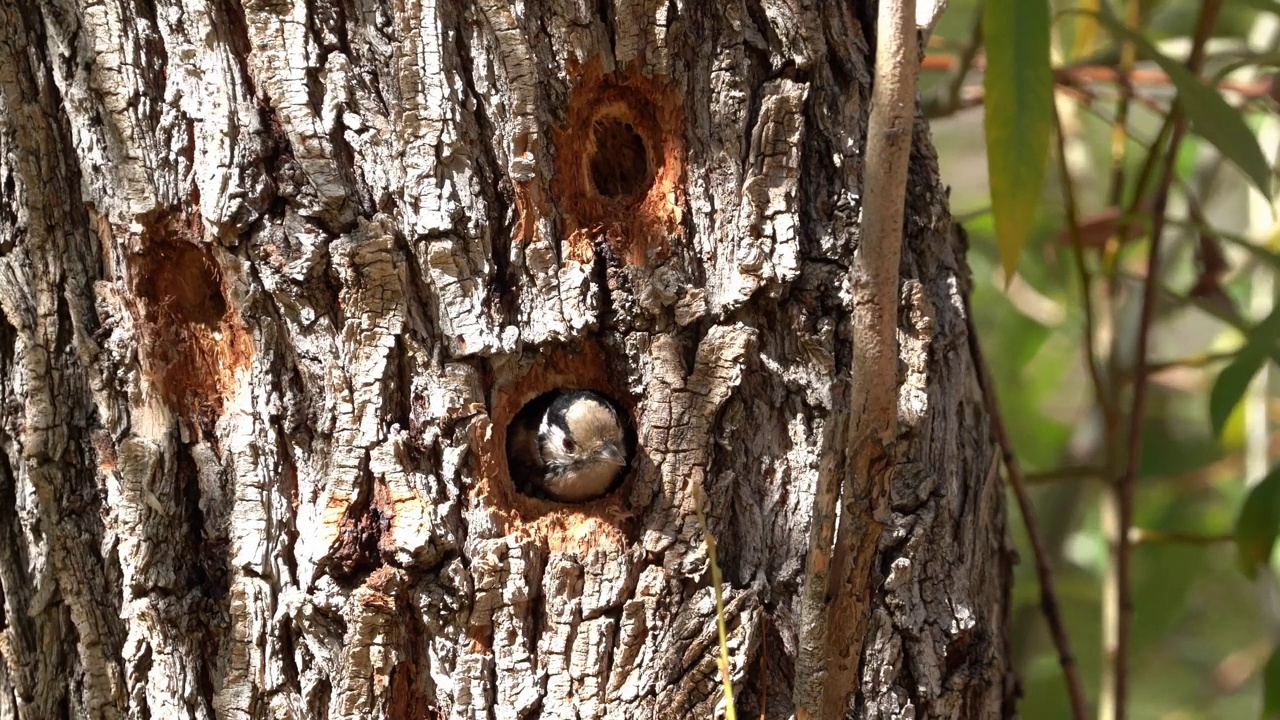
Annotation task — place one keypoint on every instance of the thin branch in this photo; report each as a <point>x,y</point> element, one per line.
<point>1120,128</point>
<point>762,678</point>
<point>1044,570</point>
<point>1124,489</point>
<point>1101,388</point>
<point>1216,474</point>
<point>1193,362</point>
<point>873,422</point>
<point>1086,72</point>
<point>1082,472</point>
<point>1100,393</point>
<point>1090,99</point>
<point>1146,174</point>
<point>1080,82</point>
<point>1114,519</point>
<point>1079,75</point>
<point>933,11</point>
<point>947,100</point>
<point>726,680</point>
<point>1146,535</point>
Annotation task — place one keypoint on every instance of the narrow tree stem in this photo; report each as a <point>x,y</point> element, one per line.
<point>1124,485</point>
<point>872,430</point>
<point>1044,569</point>
<point>726,678</point>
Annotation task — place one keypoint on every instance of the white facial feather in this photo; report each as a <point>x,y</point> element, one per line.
<point>592,460</point>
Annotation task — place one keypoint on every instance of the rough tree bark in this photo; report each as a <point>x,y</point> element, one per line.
<point>276,274</point>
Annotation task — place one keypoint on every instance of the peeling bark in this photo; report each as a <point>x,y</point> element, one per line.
<point>275,275</point>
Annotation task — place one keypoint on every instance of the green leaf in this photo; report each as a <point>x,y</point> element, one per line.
<point>1230,386</point>
<point>1210,115</point>
<point>1086,30</point>
<point>1271,687</point>
<point>1019,117</point>
<point>1258,524</point>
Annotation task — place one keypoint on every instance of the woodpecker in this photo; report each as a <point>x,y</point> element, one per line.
<point>574,450</point>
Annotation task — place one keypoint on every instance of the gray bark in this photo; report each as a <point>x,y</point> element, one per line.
<point>275,274</point>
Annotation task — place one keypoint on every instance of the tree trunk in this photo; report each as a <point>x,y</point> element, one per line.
<point>275,276</point>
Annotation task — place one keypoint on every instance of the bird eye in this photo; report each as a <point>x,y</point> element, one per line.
<point>568,445</point>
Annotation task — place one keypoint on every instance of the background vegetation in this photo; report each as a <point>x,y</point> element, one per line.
<point>1167,129</point>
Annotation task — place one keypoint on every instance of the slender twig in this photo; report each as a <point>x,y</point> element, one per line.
<point>1147,535</point>
<point>1216,474</point>
<point>1044,570</point>
<point>1194,361</point>
<point>1085,84</point>
<point>1100,393</point>
<point>1147,172</point>
<point>1076,74</point>
<point>1126,230</point>
<point>947,100</point>
<point>1124,489</point>
<point>1257,403</point>
<point>1086,72</point>
<point>1090,99</point>
<point>730,713</point>
<point>1083,472</point>
<point>1120,128</point>
<point>764,653</point>
<point>873,287</point>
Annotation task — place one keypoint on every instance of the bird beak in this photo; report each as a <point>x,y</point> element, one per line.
<point>611,453</point>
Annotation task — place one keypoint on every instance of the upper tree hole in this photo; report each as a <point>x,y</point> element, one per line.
<point>620,163</point>
<point>182,281</point>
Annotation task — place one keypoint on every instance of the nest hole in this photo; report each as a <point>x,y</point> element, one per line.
<point>619,166</point>
<point>523,428</point>
<point>190,334</point>
<point>619,163</point>
<point>182,281</point>
<point>608,522</point>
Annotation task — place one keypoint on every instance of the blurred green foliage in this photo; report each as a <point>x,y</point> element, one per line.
<point>1203,633</point>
